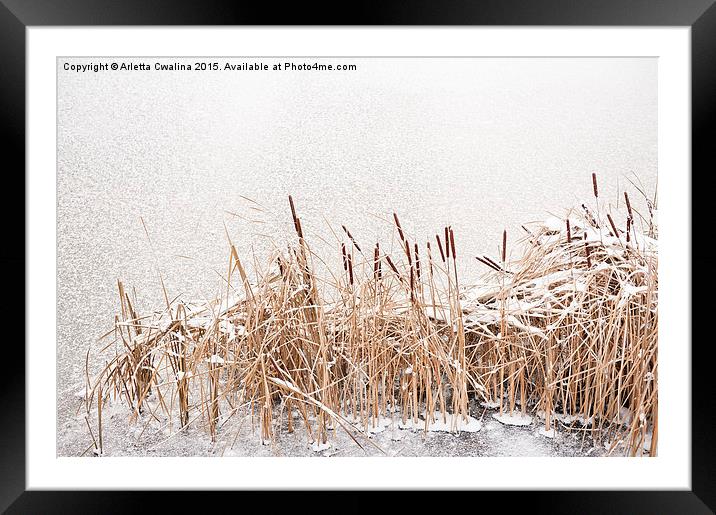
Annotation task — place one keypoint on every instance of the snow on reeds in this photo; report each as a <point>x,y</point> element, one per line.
<point>567,331</point>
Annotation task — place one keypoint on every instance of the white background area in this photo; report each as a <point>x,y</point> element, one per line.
<point>669,469</point>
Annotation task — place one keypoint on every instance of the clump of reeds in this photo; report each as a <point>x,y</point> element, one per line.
<point>572,329</point>
<point>568,329</point>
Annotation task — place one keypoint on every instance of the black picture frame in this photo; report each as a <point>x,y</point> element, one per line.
<point>17,15</point>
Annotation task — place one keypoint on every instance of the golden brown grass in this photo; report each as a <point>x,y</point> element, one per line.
<point>567,330</point>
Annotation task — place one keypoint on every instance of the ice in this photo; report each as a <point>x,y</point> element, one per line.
<point>542,431</point>
<point>471,425</point>
<point>513,419</point>
<point>444,423</point>
<point>318,447</point>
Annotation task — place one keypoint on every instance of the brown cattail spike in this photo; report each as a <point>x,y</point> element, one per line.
<point>452,244</point>
<point>569,232</point>
<point>417,261</point>
<point>350,268</point>
<point>440,247</point>
<point>293,208</point>
<point>487,263</point>
<point>376,262</point>
<point>614,227</point>
<point>498,267</point>
<point>589,252</point>
<point>628,204</point>
<point>353,240</point>
<point>296,221</point>
<point>390,262</point>
<point>504,245</point>
<point>628,230</point>
<point>447,243</point>
<point>345,259</point>
<point>594,185</point>
<point>400,229</point>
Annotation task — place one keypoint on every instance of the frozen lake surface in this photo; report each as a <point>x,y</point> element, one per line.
<point>481,144</point>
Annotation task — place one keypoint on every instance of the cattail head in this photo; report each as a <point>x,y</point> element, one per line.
<point>391,264</point>
<point>487,263</point>
<point>491,262</point>
<point>350,268</point>
<point>296,221</point>
<point>417,260</point>
<point>628,229</point>
<point>589,254</point>
<point>504,245</point>
<point>376,262</point>
<point>293,208</point>
<point>440,247</point>
<point>350,236</point>
<point>569,232</point>
<point>400,229</point>
<point>628,204</point>
<point>345,258</point>
<point>614,227</point>
<point>447,242</point>
<point>452,244</point>
<point>594,185</point>
<point>430,256</point>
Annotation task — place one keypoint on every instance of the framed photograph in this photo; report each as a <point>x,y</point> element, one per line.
<point>432,250</point>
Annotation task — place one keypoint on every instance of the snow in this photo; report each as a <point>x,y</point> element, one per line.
<point>374,426</point>
<point>443,423</point>
<point>515,418</point>
<point>471,425</point>
<point>239,437</point>
<point>542,431</point>
<point>570,419</point>
<point>625,416</point>
<point>281,382</point>
<point>318,447</point>
<point>555,224</point>
<point>525,327</point>
<point>647,441</point>
<point>227,328</point>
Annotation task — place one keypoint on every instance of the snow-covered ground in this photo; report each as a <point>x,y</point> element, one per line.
<point>484,435</point>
